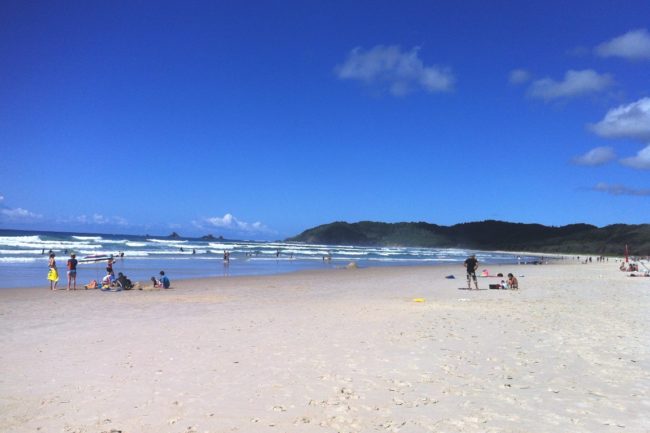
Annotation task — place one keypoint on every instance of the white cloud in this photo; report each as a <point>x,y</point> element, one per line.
<point>13,214</point>
<point>228,221</point>
<point>519,76</point>
<point>575,83</point>
<point>596,156</point>
<point>98,219</point>
<point>18,214</point>
<point>626,121</point>
<point>633,45</point>
<point>641,161</point>
<point>618,189</point>
<point>402,72</point>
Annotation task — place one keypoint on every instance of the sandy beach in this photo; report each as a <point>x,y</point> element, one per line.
<point>345,350</point>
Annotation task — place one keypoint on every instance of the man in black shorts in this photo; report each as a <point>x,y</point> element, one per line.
<point>472,265</point>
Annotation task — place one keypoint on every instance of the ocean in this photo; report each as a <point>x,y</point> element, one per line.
<point>24,257</point>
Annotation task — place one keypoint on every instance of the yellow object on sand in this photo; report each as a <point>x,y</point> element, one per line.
<point>53,275</point>
<point>418,300</point>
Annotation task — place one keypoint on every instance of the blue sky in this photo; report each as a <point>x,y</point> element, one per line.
<point>258,120</point>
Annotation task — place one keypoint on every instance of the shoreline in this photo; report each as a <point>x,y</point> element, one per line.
<point>334,267</point>
<point>228,272</point>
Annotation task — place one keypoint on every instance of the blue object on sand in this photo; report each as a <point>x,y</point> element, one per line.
<point>450,277</point>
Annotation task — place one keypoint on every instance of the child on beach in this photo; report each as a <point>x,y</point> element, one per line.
<point>108,279</point>
<point>52,274</point>
<point>162,282</point>
<point>512,283</point>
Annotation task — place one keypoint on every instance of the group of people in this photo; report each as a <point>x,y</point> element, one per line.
<point>471,266</point>
<point>108,282</point>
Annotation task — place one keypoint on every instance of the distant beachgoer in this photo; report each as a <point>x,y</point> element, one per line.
<point>53,273</point>
<point>72,271</point>
<point>43,251</point>
<point>164,281</point>
<point>277,253</point>
<point>193,251</point>
<point>121,253</point>
<point>226,256</point>
<point>182,250</point>
<point>471,264</point>
<point>512,282</point>
<point>109,264</point>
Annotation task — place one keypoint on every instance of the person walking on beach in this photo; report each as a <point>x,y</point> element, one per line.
<point>471,264</point>
<point>72,271</point>
<point>52,274</point>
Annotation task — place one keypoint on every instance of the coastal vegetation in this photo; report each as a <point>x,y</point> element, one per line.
<point>486,235</point>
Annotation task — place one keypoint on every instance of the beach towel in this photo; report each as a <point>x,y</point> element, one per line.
<point>53,275</point>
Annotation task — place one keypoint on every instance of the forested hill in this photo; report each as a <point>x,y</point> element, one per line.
<point>486,235</point>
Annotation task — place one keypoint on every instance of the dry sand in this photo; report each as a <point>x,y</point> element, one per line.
<point>335,351</point>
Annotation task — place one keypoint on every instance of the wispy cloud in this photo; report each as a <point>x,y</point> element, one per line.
<point>575,83</point>
<point>229,222</point>
<point>633,45</point>
<point>641,161</point>
<point>16,214</point>
<point>627,121</point>
<point>519,76</point>
<point>618,189</point>
<point>96,219</point>
<point>597,156</point>
<point>401,71</point>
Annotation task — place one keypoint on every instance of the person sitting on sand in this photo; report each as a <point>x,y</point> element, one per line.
<point>164,281</point>
<point>108,279</point>
<point>512,283</point>
<point>123,282</point>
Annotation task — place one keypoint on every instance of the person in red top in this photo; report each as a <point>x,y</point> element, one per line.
<point>72,271</point>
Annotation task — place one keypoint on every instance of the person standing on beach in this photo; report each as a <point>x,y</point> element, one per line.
<point>109,264</point>
<point>471,264</point>
<point>72,271</point>
<point>52,274</point>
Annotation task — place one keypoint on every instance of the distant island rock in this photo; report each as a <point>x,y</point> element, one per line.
<point>175,235</point>
<point>487,235</point>
<point>211,238</point>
